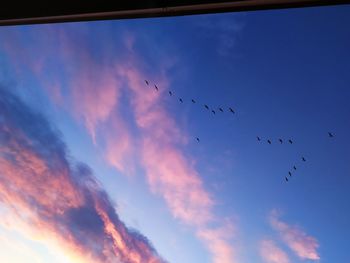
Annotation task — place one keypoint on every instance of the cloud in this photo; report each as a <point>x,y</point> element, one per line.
<point>217,242</point>
<point>107,94</point>
<point>44,189</point>
<point>170,173</point>
<point>303,245</point>
<point>271,253</point>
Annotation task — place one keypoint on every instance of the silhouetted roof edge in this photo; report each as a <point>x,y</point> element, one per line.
<point>17,13</point>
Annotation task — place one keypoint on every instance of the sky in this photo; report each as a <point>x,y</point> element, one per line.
<point>96,165</point>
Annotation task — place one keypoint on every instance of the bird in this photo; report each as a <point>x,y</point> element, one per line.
<point>290,141</point>
<point>304,160</point>
<point>269,141</point>
<point>258,138</point>
<point>155,86</point>
<point>294,167</point>
<point>286,179</point>
<point>206,106</point>
<point>290,174</point>
<point>213,111</point>
<point>146,82</point>
<point>280,141</point>
<point>193,101</point>
<point>331,135</point>
<point>197,139</point>
<point>220,109</point>
<point>170,93</point>
<point>231,110</point>
<point>181,100</point>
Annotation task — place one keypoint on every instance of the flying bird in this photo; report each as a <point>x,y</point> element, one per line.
<point>170,93</point>
<point>156,87</point>
<point>294,167</point>
<point>220,109</point>
<point>206,106</point>
<point>290,141</point>
<point>269,141</point>
<point>258,138</point>
<point>280,141</point>
<point>193,101</point>
<point>331,135</point>
<point>146,82</point>
<point>181,100</point>
<point>286,179</point>
<point>213,111</point>
<point>304,160</point>
<point>197,139</point>
<point>290,174</point>
<point>231,110</point>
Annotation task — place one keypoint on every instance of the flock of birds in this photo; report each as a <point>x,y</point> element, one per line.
<point>232,111</point>
<point>290,141</point>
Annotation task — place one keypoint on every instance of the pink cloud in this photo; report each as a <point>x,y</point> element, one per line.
<point>93,87</point>
<point>94,96</point>
<point>271,253</point>
<point>303,245</point>
<point>170,173</point>
<point>57,198</point>
<point>120,146</point>
<point>217,242</point>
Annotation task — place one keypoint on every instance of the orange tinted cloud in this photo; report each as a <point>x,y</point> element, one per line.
<point>46,191</point>
<point>271,253</point>
<point>303,245</point>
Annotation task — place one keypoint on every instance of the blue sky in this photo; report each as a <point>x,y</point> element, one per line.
<point>223,199</point>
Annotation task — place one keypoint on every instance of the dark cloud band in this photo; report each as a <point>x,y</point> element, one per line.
<point>47,189</point>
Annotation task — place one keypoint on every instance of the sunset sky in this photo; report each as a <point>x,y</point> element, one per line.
<point>98,166</point>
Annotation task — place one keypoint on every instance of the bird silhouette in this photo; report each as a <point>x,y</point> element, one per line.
<point>281,141</point>
<point>304,160</point>
<point>258,138</point>
<point>269,141</point>
<point>146,82</point>
<point>294,167</point>
<point>197,139</point>
<point>290,174</point>
<point>231,110</point>
<point>290,141</point>
<point>213,111</point>
<point>155,86</point>
<point>331,135</point>
<point>206,106</point>
<point>286,179</point>
<point>170,93</point>
<point>193,101</point>
<point>220,109</point>
<point>181,100</point>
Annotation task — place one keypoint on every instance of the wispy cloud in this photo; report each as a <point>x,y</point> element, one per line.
<point>271,253</point>
<point>58,198</point>
<point>98,92</point>
<point>169,172</point>
<point>156,148</point>
<point>302,244</point>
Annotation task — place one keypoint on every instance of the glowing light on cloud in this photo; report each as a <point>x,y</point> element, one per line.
<point>271,253</point>
<point>303,245</point>
<point>93,90</point>
<point>43,189</point>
